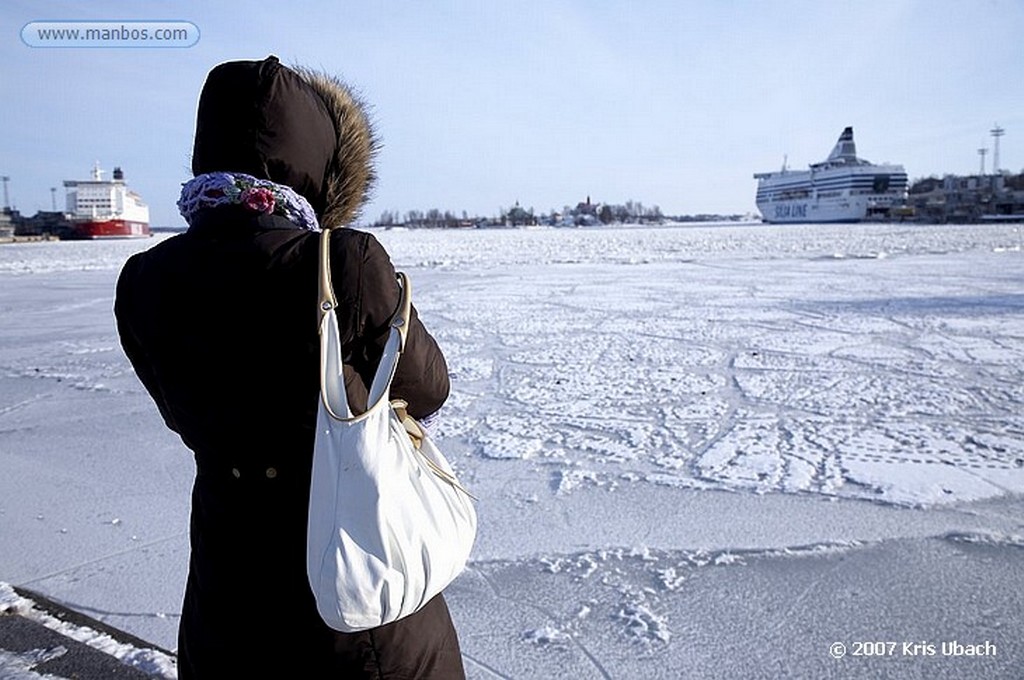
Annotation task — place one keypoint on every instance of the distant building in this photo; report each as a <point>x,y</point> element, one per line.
<point>6,225</point>
<point>520,217</point>
<point>586,208</point>
<point>971,198</point>
<point>586,214</point>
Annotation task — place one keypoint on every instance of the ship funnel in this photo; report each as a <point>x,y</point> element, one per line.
<point>845,149</point>
<point>118,175</point>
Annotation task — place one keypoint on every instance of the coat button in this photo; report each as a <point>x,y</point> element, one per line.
<point>236,472</point>
<point>271,473</point>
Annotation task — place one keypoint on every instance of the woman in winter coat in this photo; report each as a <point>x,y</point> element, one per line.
<point>220,324</point>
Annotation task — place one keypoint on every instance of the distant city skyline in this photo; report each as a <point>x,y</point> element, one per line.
<point>480,105</point>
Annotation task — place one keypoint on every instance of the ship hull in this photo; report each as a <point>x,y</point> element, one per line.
<point>804,212</point>
<point>109,229</point>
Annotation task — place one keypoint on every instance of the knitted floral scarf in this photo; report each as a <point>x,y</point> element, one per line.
<point>261,196</point>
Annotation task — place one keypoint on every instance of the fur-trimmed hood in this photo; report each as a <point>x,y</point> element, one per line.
<point>298,127</point>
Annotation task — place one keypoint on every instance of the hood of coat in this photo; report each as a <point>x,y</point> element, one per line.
<point>297,127</point>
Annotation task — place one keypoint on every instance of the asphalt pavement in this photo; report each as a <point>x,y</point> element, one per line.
<point>41,638</point>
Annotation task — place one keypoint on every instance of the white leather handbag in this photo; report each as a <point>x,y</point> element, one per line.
<point>389,524</point>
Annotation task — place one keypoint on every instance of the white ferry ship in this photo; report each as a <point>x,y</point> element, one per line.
<point>842,188</point>
<point>105,209</point>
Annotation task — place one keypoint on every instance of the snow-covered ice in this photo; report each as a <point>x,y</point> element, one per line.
<point>702,451</point>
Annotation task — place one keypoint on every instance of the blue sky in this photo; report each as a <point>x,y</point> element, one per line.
<point>481,104</point>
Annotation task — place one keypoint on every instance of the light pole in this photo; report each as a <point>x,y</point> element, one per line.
<point>996,133</point>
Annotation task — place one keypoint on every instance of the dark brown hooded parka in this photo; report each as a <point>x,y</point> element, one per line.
<point>220,324</point>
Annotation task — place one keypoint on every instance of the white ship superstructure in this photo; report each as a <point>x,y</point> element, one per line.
<point>106,209</point>
<point>842,188</point>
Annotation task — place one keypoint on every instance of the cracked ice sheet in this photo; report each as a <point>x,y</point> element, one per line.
<point>94,490</point>
<point>642,613</point>
<point>738,358</point>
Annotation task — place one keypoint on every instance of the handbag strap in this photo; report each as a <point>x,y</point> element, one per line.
<point>400,321</point>
<point>327,299</point>
<point>332,383</point>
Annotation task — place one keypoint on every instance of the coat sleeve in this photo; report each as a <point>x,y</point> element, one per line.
<point>127,316</point>
<point>422,375</point>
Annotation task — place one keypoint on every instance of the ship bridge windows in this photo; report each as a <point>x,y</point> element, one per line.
<point>880,184</point>
<point>793,194</point>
